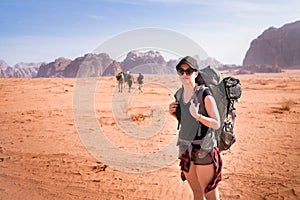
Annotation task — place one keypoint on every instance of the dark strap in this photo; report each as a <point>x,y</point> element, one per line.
<point>199,93</point>
<point>177,96</point>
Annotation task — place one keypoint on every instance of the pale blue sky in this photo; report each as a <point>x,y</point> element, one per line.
<point>41,31</point>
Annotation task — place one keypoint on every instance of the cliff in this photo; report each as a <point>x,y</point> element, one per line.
<point>276,47</point>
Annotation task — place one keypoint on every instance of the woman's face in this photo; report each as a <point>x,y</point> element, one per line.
<point>187,74</point>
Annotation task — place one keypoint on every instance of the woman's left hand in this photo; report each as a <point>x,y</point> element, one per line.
<point>194,109</point>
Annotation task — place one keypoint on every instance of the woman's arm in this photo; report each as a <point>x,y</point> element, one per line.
<point>213,119</point>
<point>172,108</point>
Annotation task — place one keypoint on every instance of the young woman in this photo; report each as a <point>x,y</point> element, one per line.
<point>200,158</point>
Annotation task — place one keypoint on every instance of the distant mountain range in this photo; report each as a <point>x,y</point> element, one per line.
<point>272,51</point>
<point>20,70</point>
<point>94,65</point>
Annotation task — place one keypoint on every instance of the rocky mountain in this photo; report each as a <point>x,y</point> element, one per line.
<point>54,69</point>
<point>151,62</point>
<point>12,72</point>
<point>276,47</point>
<point>20,70</point>
<point>3,64</point>
<point>112,69</point>
<point>89,65</point>
<point>262,68</point>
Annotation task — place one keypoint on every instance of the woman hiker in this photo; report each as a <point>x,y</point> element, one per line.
<point>200,159</point>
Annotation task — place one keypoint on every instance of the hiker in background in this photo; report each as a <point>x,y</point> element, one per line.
<point>199,156</point>
<point>140,80</point>
<point>129,80</point>
<point>120,79</point>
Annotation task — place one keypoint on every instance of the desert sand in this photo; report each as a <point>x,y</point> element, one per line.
<point>43,156</point>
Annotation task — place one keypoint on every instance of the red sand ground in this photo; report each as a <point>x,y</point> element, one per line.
<point>42,156</point>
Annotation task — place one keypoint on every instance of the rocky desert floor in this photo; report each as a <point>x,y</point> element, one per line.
<point>82,139</point>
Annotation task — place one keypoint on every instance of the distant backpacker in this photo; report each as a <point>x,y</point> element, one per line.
<point>226,90</point>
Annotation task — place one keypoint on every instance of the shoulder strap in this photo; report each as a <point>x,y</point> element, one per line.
<point>177,96</point>
<point>199,92</point>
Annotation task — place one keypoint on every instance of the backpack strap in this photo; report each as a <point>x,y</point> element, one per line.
<point>177,96</point>
<point>199,93</point>
<point>200,99</point>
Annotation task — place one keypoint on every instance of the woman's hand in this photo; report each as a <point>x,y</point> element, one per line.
<point>194,109</point>
<point>172,107</point>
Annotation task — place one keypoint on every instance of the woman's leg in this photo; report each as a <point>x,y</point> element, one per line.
<point>193,180</point>
<point>205,174</point>
<point>213,194</point>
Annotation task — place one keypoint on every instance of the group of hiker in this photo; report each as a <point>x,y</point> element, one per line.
<point>127,78</point>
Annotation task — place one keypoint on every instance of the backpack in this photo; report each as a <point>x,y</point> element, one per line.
<point>118,76</point>
<point>140,79</point>
<point>128,78</point>
<point>226,91</point>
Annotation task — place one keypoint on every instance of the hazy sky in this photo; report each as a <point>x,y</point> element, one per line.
<point>41,31</point>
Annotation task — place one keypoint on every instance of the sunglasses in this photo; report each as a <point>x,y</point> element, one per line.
<point>188,71</point>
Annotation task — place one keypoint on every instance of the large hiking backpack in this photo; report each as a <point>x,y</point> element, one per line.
<point>226,91</point>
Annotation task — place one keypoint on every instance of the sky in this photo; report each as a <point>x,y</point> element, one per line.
<point>41,31</point>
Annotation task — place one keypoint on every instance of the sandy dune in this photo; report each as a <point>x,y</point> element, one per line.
<point>43,123</point>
